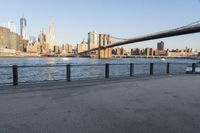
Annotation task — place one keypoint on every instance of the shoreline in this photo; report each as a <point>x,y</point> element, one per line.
<point>158,57</point>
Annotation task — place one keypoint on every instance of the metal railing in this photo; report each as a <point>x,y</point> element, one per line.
<point>69,72</point>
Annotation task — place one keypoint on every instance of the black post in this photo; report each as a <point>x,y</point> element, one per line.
<point>193,67</point>
<point>168,68</point>
<point>68,73</point>
<point>151,68</point>
<point>131,69</point>
<point>107,71</point>
<point>15,75</point>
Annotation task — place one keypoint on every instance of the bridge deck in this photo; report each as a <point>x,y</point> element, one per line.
<point>159,104</point>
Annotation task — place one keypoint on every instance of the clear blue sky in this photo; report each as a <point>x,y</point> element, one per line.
<point>120,18</point>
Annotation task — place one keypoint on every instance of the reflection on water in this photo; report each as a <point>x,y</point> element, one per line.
<point>36,74</point>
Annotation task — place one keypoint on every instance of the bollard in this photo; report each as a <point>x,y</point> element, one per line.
<point>107,71</point>
<point>131,69</point>
<point>151,68</point>
<point>193,68</point>
<point>168,65</point>
<point>68,67</point>
<point>15,75</point>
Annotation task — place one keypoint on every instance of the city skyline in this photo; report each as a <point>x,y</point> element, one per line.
<point>128,23</point>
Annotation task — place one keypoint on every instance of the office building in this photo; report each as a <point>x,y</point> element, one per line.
<point>135,51</point>
<point>44,47</point>
<point>161,46</point>
<point>149,52</point>
<point>93,40</point>
<point>83,46</point>
<point>67,49</point>
<point>8,39</point>
<point>23,28</point>
<point>51,36</point>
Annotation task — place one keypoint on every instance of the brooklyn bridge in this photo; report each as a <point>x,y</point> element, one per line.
<point>107,42</point>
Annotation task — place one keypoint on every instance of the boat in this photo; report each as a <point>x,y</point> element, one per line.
<point>163,59</point>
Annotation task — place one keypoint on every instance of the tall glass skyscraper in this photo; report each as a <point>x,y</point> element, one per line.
<point>23,28</point>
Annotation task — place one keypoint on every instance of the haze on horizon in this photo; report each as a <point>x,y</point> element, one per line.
<point>122,18</point>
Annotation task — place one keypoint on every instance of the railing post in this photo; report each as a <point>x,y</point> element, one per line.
<point>168,65</point>
<point>131,69</point>
<point>15,75</point>
<point>68,73</point>
<point>151,68</point>
<point>193,68</point>
<point>107,71</point>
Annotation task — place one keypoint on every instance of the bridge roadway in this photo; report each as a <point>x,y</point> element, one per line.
<point>163,104</point>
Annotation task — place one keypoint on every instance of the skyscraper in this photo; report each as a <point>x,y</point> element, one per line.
<point>23,28</point>
<point>51,36</point>
<point>161,46</point>
<point>93,40</point>
<point>11,26</point>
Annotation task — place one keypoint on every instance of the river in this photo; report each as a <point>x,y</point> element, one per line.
<point>38,74</point>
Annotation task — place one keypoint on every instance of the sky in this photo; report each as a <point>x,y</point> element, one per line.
<point>119,18</point>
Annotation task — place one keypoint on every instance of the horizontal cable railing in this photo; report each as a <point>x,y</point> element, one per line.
<point>15,75</point>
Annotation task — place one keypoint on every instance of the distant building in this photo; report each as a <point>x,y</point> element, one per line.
<point>83,46</point>
<point>135,51</point>
<point>51,36</point>
<point>119,51</point>
<point>4,37</point>
<point>8,39</point>
<point>44,47</point>
<point>149,52</point>
<point>14,40</point>
<point>93,40</point>
<point>160,53</point>
<point>184,52</point>
<point>23,28</point>
<point>57,49</point>
<point>152,52</point>
<point>161,46</point>
<point>32,48</point>
<point>67,49</point>
<point>32,39</point>
<point>11,26</point>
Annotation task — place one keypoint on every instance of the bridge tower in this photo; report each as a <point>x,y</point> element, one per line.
<point>104,40</point>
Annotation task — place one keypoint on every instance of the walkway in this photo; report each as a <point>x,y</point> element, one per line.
<point>166,104</point>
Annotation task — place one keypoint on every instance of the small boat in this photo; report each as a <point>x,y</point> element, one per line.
<point>163,59</point>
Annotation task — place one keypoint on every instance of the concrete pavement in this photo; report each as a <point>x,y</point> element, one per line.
<point>164,104</point>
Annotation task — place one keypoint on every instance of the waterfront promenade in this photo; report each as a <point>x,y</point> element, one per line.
<point>154,104</point>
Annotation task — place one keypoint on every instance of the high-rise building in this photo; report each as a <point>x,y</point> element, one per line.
<point>51,37</point>
<point>161,46</point>
<point>93,40</point>
<point>8,39</point>
<point>4,37</point>
<point>11,26</point>
<point>44,47</point>
<point>23,28</point>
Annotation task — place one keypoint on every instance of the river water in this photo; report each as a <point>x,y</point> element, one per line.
<point>97,70</point>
